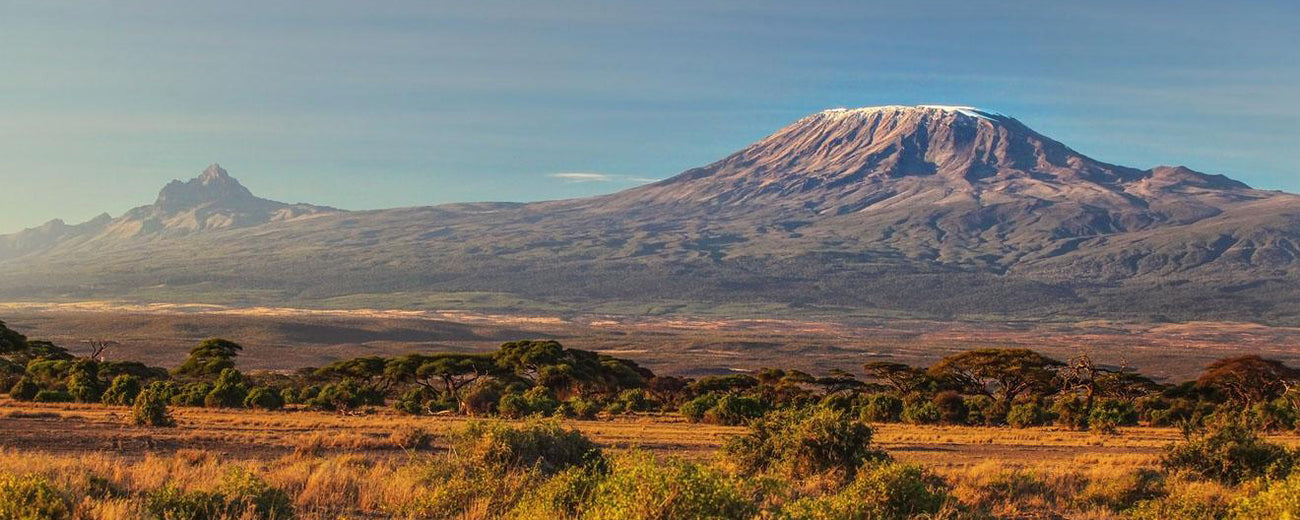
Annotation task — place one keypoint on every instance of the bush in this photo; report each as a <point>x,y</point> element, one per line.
<point>122,391</point>
<point>52,396</point>
<point>247,495</point>
<point>636,400</point>
<point>882,491</point>
<point>513,405</point>
<point>735,410</point>
<point>642,487</point>
<point>241,494</point>
<point>581,408</point>
<point>264,398</point>
<point>192,394</point>
<point>228,392</point>
<point>1230,454</point>
<point>567,494</point>
<point>798,443</point>
<point>1027,415</point>
<point>983,410</point>
<point>84,387</point>
<point>24,390</point>
<point>1109,414</point>
<point>1280,499</point>
<point>920,412</point>
<point>1071,412</point>
<point>882,408</point>
<point>952,408</point>
<point>150,409</point>
<point>482,397</point>
<point>541,444</point>
<point>695,409</point>
<point>31,497</point>
<point>413,402</point>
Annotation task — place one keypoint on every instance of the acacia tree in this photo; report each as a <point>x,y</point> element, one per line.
<point>1002,374</point>
<point>904,379</point>
<point>209,358</point>
<point>443,374</point>
<point>1249,379</point>
<point>368,371</point>
<point>1082,376</point>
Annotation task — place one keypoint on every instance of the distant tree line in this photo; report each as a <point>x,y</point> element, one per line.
<point>992,386</point>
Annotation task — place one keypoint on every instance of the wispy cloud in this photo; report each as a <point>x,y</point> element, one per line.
<point>598,177</point>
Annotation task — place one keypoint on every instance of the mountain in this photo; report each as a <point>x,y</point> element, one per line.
<point>213,200</point>
<point>929,210</point>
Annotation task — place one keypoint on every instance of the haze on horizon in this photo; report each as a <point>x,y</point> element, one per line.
<point>411,103</point>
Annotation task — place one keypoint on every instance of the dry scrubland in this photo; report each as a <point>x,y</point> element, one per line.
<point>383,464</point>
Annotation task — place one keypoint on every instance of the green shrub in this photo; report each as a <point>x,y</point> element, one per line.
<point>983,410</point>
<point>1280,499</point>
<point>882,491</point>
<point>1230,454</point>
<point>695,409</point>
<point>1188,501</point>
<point>641,487</point>
<point>1109,414</point>
<point>735,410</point>
<point>581,408</point>
<point>31,497</point>
<point>245,494</point>
<point>636,400</point>
<point>241,494</point>
<point>541,444</point>
<point>228,392</point>
<point>798,443</point>
<point>513,405</point>
<point>882,408</point>
<point>264,398</point>
<point>173,503</point>
<point>567,494</point>
<point>53,396</point>
<point>413,401</point>
<point>952,408</point>
<point>920,412</point>
<point>1071,412</point>
<point>24,390</point>
<point>1027,415</point>
<point>150,408</point>
<point>122,391</point>
<point>84,387</point>
<point>541,400</point>
<point>192,394</point>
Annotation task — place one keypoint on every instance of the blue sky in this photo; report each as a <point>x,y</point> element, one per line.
<point>379,104</point>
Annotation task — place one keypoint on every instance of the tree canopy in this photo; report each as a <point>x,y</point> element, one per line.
<point>209,358</point>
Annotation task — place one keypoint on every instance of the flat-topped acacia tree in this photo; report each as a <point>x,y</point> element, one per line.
<point>209,358</point>
<point>1000,373</point>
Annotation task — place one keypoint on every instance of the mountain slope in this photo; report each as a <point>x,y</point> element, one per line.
<point>943,211</point>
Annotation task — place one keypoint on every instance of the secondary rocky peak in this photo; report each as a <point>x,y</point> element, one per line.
<point>214,184</point>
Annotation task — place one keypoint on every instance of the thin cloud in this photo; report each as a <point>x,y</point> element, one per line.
<point>598,177</point>
<point>583,177</point>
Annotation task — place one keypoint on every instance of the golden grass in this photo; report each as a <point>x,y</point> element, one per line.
<point>334,465</point>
